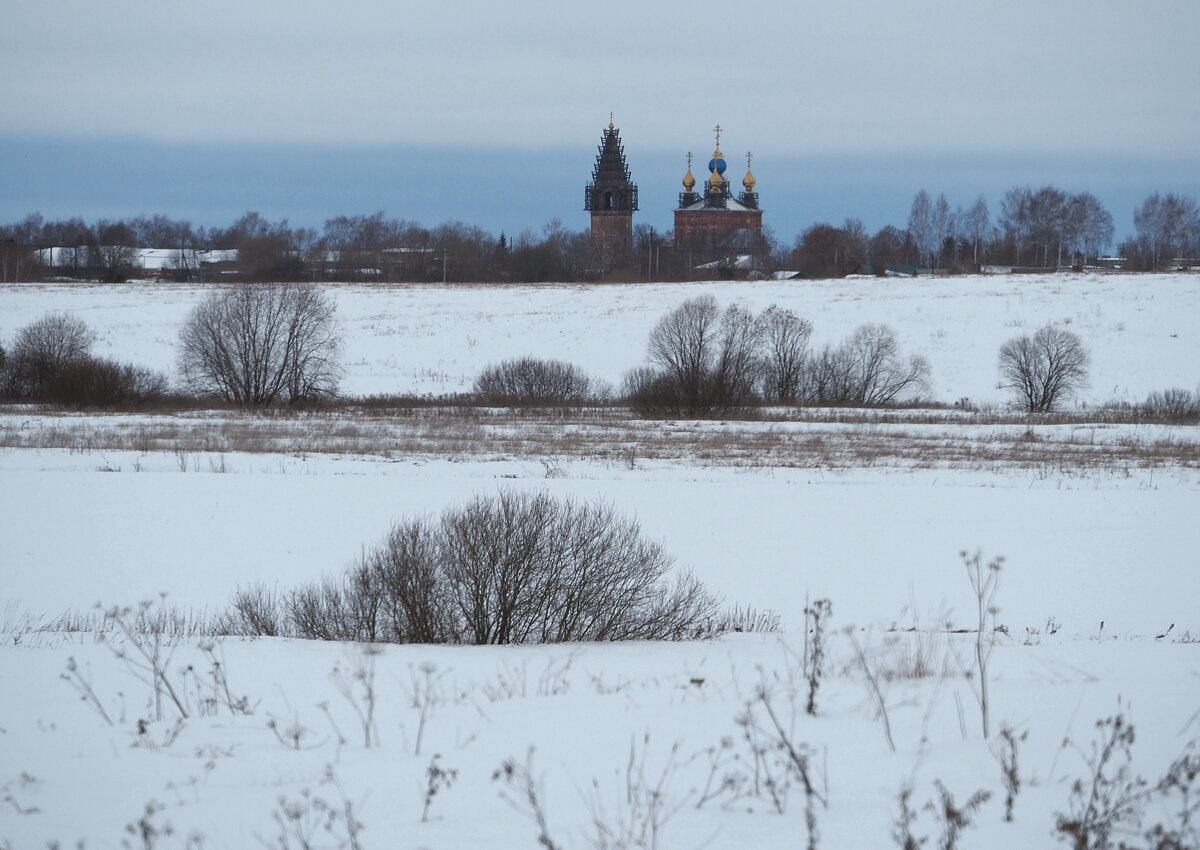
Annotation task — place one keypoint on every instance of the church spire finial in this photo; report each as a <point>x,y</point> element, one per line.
<point>610,121</point>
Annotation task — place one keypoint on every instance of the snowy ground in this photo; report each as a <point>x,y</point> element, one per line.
<point>1100,561</point>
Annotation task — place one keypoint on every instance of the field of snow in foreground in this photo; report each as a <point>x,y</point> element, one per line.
<point>633,745</point>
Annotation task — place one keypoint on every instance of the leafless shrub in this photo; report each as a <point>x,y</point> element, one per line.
<point>254,611</point>
<point>702,360</point>
<point>42,349</point>
<point>415,597</point>
<point>1112,797</point>
<point>785,339</point>
<point>512,568</point>
<point>98,382</point>
<point>531,380</point>
<point>866,368</point>
<point>257,344</point>
<point>319,611</point>
<point>1045,368</point>
<point>1173,405</point>
<point>527,568</point>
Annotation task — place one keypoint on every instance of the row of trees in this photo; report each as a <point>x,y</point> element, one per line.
<point>1033,227</point>
<point>365,247</point>
<point>1045,227</point>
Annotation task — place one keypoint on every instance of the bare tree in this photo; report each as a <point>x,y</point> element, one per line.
<point>877,372</point>
<point>920,225</point>
<point>785,339</point>
<point>1091,225</point>
<point>736,367</point>
<point>1044,368</point>
<point>942,223</point>
<point>257,344</point>
<point>702,359</point>
<point>682,345</point>
<point>976,224</point>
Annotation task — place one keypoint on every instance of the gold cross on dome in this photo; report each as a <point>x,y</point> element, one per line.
<point>717,130</point>
<point>748,156</point>
<point>689,160</point>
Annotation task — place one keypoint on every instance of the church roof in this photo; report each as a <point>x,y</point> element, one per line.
<point>730,204</point>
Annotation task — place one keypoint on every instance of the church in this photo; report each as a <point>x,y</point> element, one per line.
<point>713,228</point>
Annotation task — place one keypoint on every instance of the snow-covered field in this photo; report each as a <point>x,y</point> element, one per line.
<point>1099,561</point>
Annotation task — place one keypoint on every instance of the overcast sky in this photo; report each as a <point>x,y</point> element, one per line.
<point>450,94</point>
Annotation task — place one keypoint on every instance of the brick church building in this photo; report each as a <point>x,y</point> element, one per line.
<point>711,224</point>
<point>713,228</point>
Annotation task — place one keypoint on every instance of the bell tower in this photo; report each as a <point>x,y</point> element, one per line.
<point>612,199</point>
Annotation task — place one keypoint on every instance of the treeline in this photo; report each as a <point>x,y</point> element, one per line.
<point>361,247</point>
<point>1037,228</point>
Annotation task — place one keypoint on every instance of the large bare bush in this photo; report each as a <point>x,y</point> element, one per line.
<point>514,568</point>
<point>42,349</point>
<point>258,344</point>
<point>532,380</point>
<point>866,368</point>
<point>1045,368</point>
<point>785,339</point>
<point>100,382</point>
<point>702,360</point>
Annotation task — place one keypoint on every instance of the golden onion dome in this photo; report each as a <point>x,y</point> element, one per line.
<point>748,181</point>
<point>689,182</point>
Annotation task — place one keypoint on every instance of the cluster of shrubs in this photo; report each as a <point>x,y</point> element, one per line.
<point>514,568</point>
<point>1173,405</point>
<point>51,361</point>
<point>535,381</point>
<point>704,360</point>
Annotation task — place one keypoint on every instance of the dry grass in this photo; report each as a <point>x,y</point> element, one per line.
<point>828,439</point>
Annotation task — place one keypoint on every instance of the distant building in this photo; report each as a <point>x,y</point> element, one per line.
<point>612,199</point>
<point>712,226</point>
